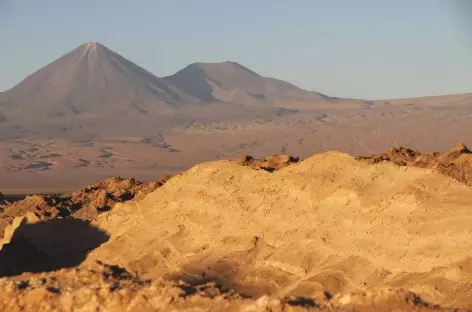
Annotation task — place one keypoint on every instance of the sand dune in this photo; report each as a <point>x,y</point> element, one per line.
<point>330,232</point>
<point>329,222</point>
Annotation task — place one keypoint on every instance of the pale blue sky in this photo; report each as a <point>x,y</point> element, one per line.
<point>352,48</point>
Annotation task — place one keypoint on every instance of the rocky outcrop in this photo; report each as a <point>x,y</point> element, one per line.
<point>103,287</point>
<point>84,204</point>
<point>270,163</point>
<point>456,163</point>
<point>3,202</point>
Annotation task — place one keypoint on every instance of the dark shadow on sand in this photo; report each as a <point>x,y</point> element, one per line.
<point>49,245</point>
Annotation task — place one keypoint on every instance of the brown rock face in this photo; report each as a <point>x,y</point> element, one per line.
<point>3,201</point>
<point>270,164</point>
<point>84,204</point>
<point>399,155</point>
<point>456,163</point>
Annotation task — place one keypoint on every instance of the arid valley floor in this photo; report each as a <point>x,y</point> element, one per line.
<point>30,164</point>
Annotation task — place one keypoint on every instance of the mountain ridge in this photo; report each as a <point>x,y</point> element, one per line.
<point>230,81</point>
<point>197,83</point>
<point>93,91</point>
<point>95,61</point>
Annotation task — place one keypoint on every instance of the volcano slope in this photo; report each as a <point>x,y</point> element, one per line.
<point>329,223</point>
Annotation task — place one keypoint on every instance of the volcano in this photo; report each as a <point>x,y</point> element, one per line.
<point>92,80</point>
<point>232,82</point>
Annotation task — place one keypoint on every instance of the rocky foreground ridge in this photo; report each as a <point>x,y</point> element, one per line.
<point>389,232</point>
<point>103,287</point>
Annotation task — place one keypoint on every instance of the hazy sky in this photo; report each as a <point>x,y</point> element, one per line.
<point>362,48</point>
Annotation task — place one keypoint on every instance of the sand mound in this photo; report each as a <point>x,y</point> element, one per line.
<point>456,163</point>
<point>84,204</point>
<point>110,288</point>
<point>328,223</point>
<point>271,163</point>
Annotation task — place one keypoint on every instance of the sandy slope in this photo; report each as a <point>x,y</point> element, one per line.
<point>330,222</point>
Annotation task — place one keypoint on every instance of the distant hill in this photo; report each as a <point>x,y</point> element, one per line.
<point>232,82</point>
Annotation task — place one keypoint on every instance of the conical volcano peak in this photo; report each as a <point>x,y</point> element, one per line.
<point>91,47</point>
<point>90,74</point>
